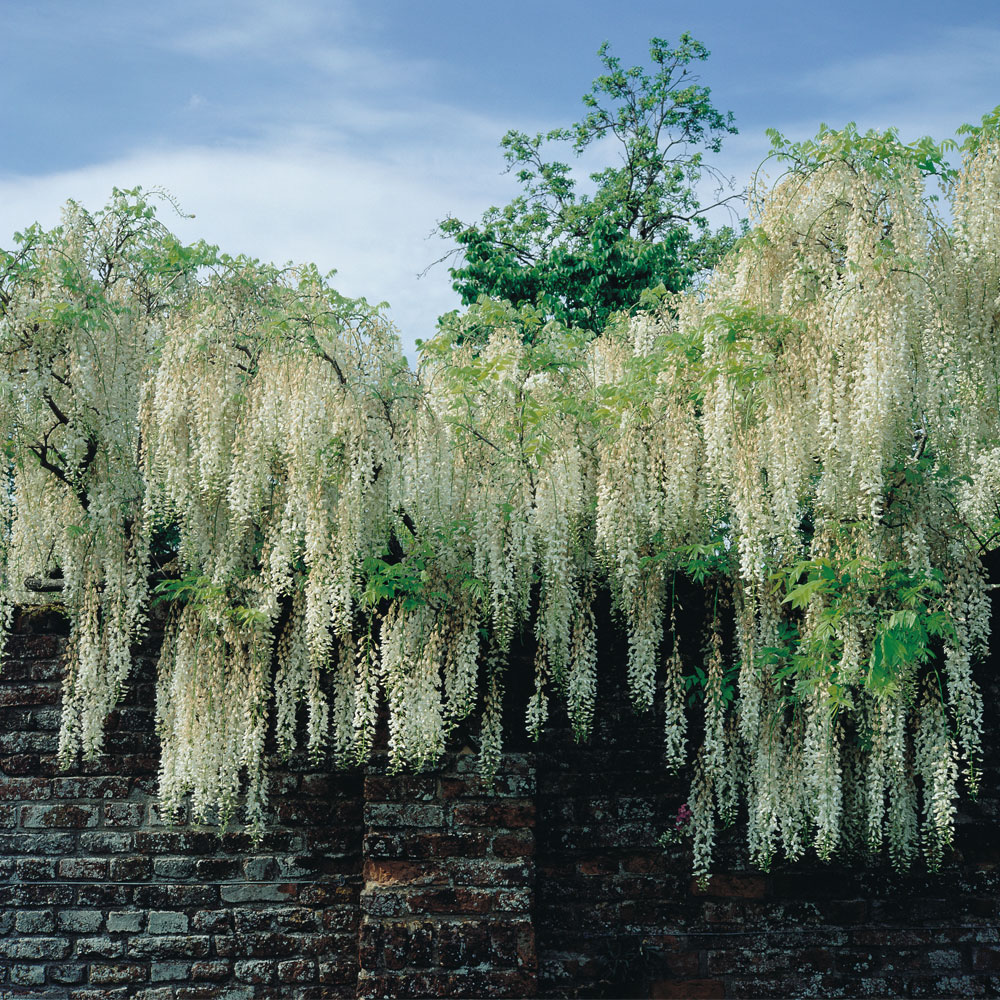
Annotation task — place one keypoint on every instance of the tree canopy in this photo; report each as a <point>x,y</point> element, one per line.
<point>580,256</point>
<point>810,444</point>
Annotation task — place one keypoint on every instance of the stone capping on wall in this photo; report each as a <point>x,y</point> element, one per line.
<point>552,883</point>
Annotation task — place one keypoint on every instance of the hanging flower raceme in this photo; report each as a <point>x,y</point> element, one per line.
<point>81,318</point>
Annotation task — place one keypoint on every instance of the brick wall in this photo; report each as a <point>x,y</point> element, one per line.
<point>618,916</point>
<point>100,899</point>
<point>374,885</point>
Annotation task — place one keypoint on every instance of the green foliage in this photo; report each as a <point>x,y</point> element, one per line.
<point>976,136</point>
<point>904,610</point>
<point>580,257</point>
<point>876,154</point>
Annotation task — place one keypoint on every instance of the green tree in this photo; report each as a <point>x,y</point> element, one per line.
<point>581,256</point>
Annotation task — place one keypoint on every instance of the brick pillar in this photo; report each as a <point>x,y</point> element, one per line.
<point>448,887</point>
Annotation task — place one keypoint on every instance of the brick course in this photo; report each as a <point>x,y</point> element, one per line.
<point>367,884</point>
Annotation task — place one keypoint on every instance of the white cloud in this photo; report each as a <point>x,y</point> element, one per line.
<point>929,88</point>
<point>368,218</point>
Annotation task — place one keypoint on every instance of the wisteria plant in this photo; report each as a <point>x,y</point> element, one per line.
<point>811,440</point>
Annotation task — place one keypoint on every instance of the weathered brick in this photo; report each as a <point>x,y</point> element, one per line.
<point>166,922</point>
<point>255,970</point>
<point>118,973</point>
<point>216,969</point>
<point>125,920</point>
<point>251,893</point>
<point>169,946</point>
<point>160,972</point>
<point>38,948</point>
<point>212,921</point>
<point>503,813</point>
<point>80,921</point>
<point>100,946</point>
<point>106,842</point>
<point>28,694</point>
<point>749,886</point>
<point>27,975</point>
<point>520,844</point>
<point>91,787</point>
<point>453,896</point>
<point>173,869</point>
<point>123,813</point>
<point>464,943</point>
<point>132,868</point>
<point>297,971</point>
<point>34,869</point>
<point>223,870</point>
<point>68,973</point>
<point>986,959</point>
<point>24,789</point>
<point>688,989</point>
<point>35,922</point>
<point>37,843</point>
<point>403,814</point>
<point>60,816</point>
<point>212,993</point>
<point>83,868</point>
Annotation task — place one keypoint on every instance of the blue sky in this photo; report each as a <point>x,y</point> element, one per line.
<point>341,133</point>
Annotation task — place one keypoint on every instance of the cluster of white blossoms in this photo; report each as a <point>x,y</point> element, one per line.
<point>784,481</point>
